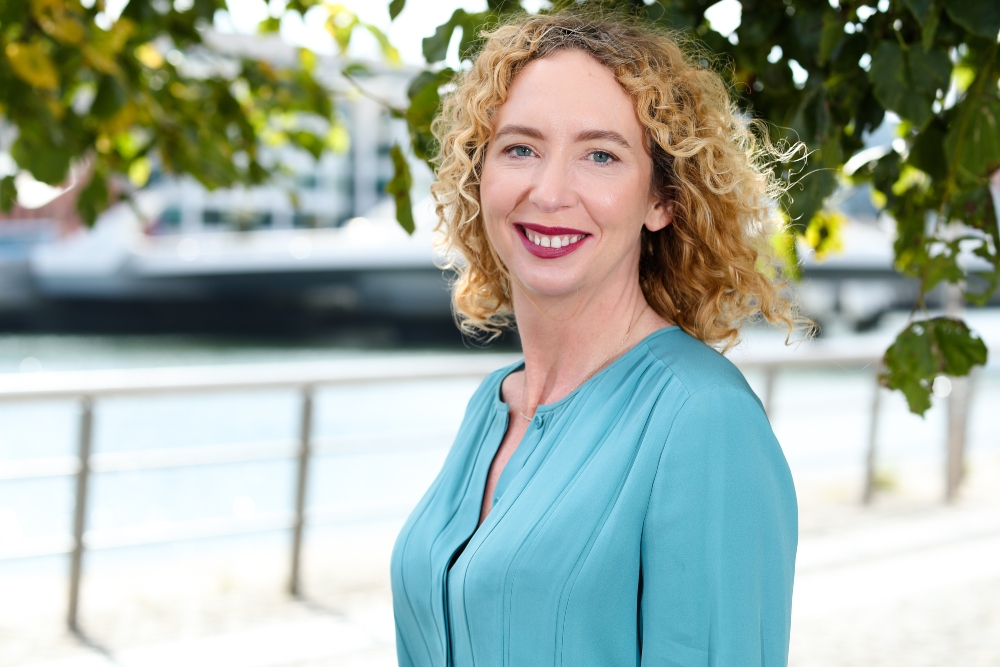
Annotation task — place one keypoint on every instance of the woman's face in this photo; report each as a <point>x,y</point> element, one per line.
<point>565,187</point>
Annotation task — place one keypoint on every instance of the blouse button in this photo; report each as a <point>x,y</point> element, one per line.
<point>539,421</point>
<point>496,499</point>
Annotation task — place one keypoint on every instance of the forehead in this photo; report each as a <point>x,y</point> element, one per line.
<point>570,90</point>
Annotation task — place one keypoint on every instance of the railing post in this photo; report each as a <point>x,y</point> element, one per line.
<point>769,379</point>
<point>305,450</point>
<point>80,510</point>
<point>870,456</point>
<point>958,403</point>
<point>958,418</point>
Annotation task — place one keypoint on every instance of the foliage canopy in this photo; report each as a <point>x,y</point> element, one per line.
<point>82,89</point>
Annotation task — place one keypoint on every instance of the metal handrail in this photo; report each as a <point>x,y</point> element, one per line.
<point>89,386</point>
<point>207,455</point>
<point>145,381</point>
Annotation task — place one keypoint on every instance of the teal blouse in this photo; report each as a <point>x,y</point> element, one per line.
<point>647,518</point>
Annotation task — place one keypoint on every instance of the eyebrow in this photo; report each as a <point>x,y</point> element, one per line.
<point>586,135</point>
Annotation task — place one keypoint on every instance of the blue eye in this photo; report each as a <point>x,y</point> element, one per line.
<point>521,151</point>
<point>602,157</point>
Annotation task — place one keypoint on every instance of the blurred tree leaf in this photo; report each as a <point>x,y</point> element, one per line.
<point>435,47</point>
<point>395,7</point>
<point>119,98</point>
<point>974,146</point>
<point>927,349</point>
<point>32,64</point>
<point>8,193</point>
<point>424,103</point>
<point>824,233</point>
<point>399,188</point>
<point>894,85</point>
<point>978,17</point>
<point>93,198</point>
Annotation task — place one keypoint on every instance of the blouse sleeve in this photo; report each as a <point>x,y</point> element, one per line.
<point>719,539</point>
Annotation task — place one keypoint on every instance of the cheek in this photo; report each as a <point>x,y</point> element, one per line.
<point>620,205</point>
<point>494,194</point>
<point>493,211</point>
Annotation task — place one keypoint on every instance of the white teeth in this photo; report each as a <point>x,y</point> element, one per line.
<point>552,241</point>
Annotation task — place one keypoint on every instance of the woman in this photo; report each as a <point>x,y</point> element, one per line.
<point>618,498</point>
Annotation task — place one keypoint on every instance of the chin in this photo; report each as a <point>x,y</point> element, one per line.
<point>549,285</point>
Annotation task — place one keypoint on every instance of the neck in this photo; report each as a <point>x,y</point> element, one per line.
<point>567,339</point>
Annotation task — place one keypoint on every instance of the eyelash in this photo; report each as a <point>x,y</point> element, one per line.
<point>510,151</point>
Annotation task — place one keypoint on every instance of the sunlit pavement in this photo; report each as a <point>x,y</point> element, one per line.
<point>908,582</point>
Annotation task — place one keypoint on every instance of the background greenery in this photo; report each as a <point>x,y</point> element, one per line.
<point>104,97</point>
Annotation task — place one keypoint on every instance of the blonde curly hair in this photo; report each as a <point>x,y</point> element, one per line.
<point>709,271</point>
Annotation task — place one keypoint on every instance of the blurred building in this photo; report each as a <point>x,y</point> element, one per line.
<point>183,255</point>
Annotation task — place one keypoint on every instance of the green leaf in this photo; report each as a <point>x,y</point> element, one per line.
<point>310,142</point>
<point>927,152</point>
<point>976,152</point>
<point>756,27</point>
<point>93,199</point>
<point>8,193</point>
<point>48,163</point>
<point>31,63</point>
<point>340,24</point>
<point>435,47</point>
<point>927,349</point>
<point>424,103</point>
<point>960,349</point>
<point>977,210</point>
<point>894,88</point>
<point>943,267</point>
<point>110,98</point>
<point>395,7</point>
<point>832,35</point>
<point>806,197</point>
<point>930,69</point>
<point>357,69</point>
<point>389,52</point>
<point>929,30</point>
<point>920,8</point>
<point>787,253</point>
<point>848,51</point>
<point>885,175</point>
<point>399,188</point>
<point>980,17</point>
<point>824,234</point>
<point>307,58</point>
<point>269,25</point>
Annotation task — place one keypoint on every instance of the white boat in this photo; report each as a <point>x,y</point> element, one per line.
<point>368,265</point>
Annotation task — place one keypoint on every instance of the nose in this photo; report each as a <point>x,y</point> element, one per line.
<point>553,187</point>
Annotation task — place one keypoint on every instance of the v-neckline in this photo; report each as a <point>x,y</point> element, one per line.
<point>547,407</point>
<point>503,410</point>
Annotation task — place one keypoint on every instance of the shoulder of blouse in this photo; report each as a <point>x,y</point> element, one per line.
<point>695,364</point>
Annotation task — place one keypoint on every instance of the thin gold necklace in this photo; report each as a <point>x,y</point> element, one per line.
<point>524,384</point>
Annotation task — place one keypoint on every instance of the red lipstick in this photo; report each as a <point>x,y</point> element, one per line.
<point>550,231</point>
<point>549,253</point>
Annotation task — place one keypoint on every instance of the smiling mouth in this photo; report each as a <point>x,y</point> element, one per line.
<point>550,240</point>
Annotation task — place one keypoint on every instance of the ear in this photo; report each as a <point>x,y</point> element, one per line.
<point>659,215</point>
